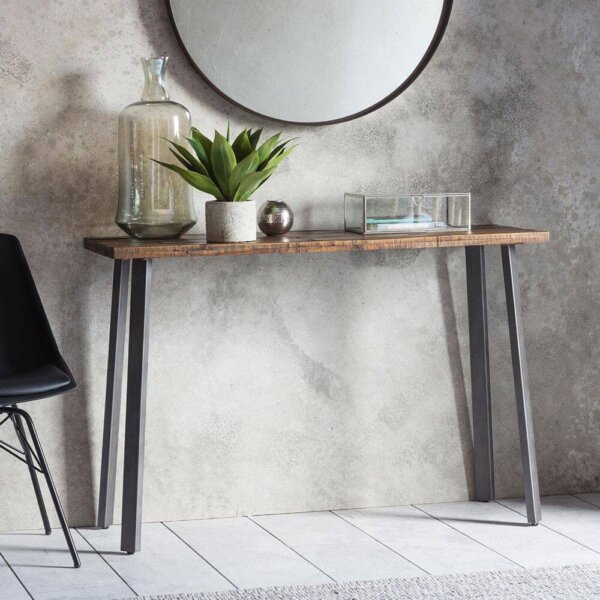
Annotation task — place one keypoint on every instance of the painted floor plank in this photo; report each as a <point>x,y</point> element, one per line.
<point>570,516</point>
<point>10,587</point>
<point>44,565</point>
<point>165,564</point>
<point>425,541</point>
<point>506,532</point>
<point>336,547</point>
<point>246,554</point>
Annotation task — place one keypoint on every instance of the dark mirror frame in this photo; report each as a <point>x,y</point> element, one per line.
<point>435,42</point>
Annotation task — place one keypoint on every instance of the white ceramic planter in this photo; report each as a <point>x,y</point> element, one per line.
<point>230,221</point>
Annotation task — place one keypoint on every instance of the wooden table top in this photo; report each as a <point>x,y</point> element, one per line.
<point>298,242</point>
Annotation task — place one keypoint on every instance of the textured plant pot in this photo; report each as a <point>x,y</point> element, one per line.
<point>230,221</point>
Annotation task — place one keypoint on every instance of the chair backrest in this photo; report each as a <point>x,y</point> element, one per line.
<point>26,340</point>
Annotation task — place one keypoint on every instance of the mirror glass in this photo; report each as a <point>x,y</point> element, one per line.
<point>309,61</point>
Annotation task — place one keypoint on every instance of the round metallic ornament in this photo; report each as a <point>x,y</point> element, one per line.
<point>275,218</point>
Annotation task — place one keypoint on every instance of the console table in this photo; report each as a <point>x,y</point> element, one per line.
<point>133,257</point>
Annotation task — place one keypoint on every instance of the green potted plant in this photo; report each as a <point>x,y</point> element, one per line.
<point>231,173</point>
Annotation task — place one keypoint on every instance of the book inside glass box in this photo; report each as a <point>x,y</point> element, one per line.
<point>407,213</point>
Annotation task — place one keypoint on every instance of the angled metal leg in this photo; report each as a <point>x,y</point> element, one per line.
<point>46,472</point>
<point>519,361</point>
<point>135,421</point>
<point>480,374</point>
<point>114,379</point>
<point>20,431</point>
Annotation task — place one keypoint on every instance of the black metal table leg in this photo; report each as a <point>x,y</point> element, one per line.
<point>114,379</point>
<point>135,420</point>
<point>519,361</point>
<point>480,374</point>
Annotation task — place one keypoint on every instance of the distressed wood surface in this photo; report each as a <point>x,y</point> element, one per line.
<point>298,242</point>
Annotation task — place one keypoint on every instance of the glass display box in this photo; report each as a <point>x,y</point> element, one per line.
<point>407,213</point>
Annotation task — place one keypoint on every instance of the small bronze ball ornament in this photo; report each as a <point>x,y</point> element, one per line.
<point>275,218</point>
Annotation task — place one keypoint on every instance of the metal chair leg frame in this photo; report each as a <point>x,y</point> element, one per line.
<point>20,431</point>
<point>46,471</point>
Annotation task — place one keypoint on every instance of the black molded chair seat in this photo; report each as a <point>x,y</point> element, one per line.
<point>40,380</point>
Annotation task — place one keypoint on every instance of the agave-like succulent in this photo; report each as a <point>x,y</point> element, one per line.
<point>229,172</point>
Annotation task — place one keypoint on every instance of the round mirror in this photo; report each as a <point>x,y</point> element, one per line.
<point>309,61</point>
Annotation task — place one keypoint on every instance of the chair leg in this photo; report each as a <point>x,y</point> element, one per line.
<point>53,493</point>
<point>20,431</point>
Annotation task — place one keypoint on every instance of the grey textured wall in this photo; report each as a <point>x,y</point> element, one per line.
<point>289,383</point>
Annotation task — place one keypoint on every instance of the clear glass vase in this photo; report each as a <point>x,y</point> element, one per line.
<point>154,202</point>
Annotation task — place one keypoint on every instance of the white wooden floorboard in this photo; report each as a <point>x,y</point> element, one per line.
<point>570,516</point>
<point>425,541</point>
<point>10,587</point>
<point>336,547</point>
<point>246,554</point>
<point>593,498</point>
<point>44,565</point>
<point>164,565</point>
<point>506,532</point>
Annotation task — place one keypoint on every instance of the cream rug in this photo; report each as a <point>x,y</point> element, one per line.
<point>580,582</point>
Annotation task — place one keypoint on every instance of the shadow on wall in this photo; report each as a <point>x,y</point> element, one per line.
<point>155,20</point>
<point>53,206</point>
<point>456,370</point>
<point>154,17</point>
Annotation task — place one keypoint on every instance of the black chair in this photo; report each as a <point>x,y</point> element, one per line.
<point>31,368</point>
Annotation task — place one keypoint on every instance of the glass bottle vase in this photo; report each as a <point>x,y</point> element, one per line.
<point>154,202</point>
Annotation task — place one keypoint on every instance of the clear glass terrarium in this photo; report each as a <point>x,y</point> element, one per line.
<point>154,202</point>
<point>405,213</point>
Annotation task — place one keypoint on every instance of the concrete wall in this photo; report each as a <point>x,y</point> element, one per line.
<point>290,383</point>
